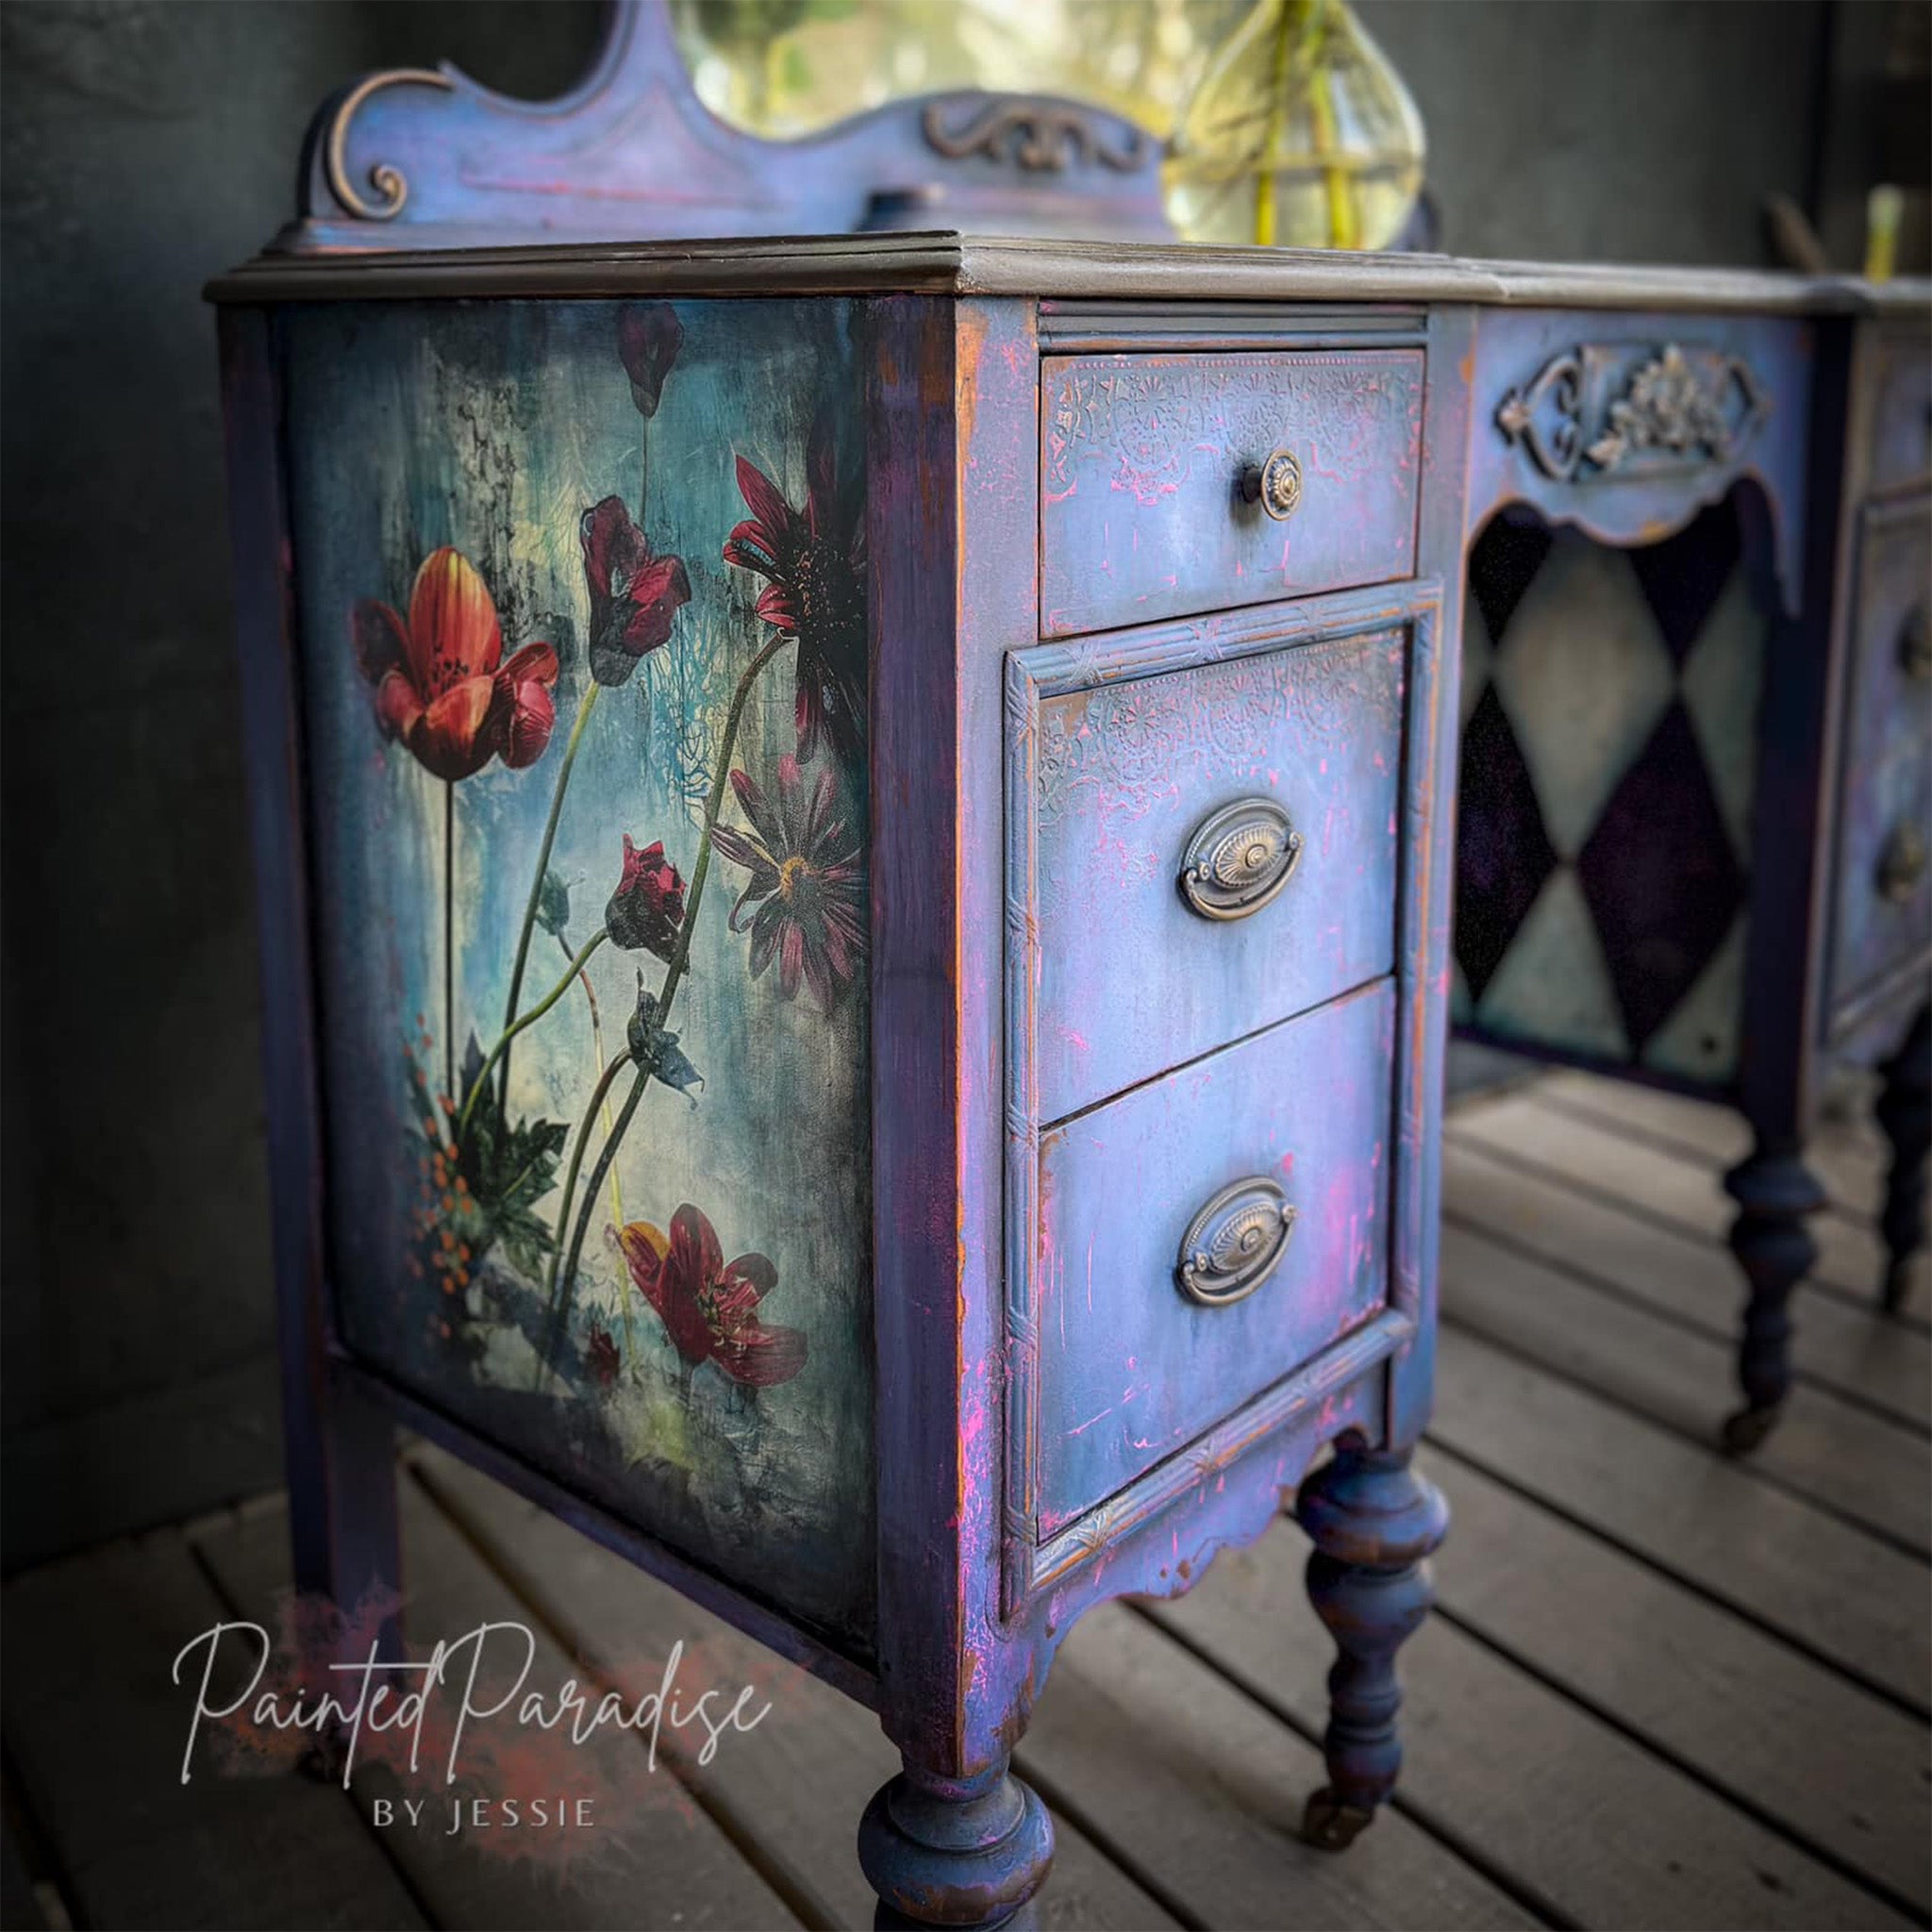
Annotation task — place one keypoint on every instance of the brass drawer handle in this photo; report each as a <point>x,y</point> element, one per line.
<point>1233,1243</point>
<point>1275,485</point>
<point>1902,863</point>
<point>1915,647</point>
<point>1237,859</point>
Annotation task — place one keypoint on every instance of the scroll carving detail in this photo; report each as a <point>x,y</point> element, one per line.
<point>390,185</point>
<point>1040,136</point>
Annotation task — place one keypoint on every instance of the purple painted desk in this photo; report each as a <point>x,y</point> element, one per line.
<point>855,855</point>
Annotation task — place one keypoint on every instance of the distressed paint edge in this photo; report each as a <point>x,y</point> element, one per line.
<point>1203,1459</point>
<point>339,1450</point>
<point>920,1463</point>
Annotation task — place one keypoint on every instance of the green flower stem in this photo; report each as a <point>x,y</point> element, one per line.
<point>713,806</point>
<point>500,1050</point>
<point>559,1302</point>
<point>674,975</point>
<point>599,1096</point>
<point>585,705</point>
<point>604,1113</point>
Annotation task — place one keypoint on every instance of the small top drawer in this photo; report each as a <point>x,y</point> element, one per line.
<point>1177,484</point>
<point>1902,414</point>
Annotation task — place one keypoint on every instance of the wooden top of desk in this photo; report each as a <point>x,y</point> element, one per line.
<point>948,263</point>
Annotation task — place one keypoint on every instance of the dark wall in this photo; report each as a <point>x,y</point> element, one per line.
<point>144,145</point>
<point>1610,130</point>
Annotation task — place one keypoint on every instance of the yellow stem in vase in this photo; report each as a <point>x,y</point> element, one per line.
<point>1344,229</point>
<point>1266,218</point>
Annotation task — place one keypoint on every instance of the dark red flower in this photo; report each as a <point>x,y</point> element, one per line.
<point>805,882</point>
<point>440,683</point>
<point>601,1360</point>
<point>814,562</point>
<point>634,595</point>
<point>708,1305</point>
<point>647,908</point>
<point>649,336</point>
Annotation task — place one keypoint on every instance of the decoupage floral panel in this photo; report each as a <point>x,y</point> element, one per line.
<point>583,646</point>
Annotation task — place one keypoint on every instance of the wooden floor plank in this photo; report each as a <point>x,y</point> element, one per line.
<point>96,1729</point>
<point>1685,1276</point>
<point>1179,1771</point>
<point>1586,1820</point>
<point>1822,1581</point>
<point>1850,1255</point>
<point>658,1861</point>
<point>803,1777</point>
<point>1877,1472</point>
<point>1841,1770</point>
<point>1851,1166</point>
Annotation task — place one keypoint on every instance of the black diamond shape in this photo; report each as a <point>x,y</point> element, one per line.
<point>1659,876</point>
<point>1684,575</point>
<point>1503,855</point>
<point>1502,562</point>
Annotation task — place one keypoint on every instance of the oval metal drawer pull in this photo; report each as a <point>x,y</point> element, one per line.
<point>1233,1243</point>
<point>1915,647</point>
<point>1275,485</point>
<point>1902,863</point>
<point>1237,859</point>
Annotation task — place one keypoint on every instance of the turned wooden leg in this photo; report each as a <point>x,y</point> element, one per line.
<point>1904,1112</point>
<point>1372,1520</point>
<point>1774,1190</point>
<point>951,1852</point>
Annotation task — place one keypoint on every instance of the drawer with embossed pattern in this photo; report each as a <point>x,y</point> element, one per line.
<point>1213,847</point>
<point>1883,886</point>
<point>1258,1237</point>
<point>1174,484</point>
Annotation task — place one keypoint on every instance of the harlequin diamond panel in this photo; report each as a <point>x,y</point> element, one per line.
<point>1609,762</point>
<point>1660,878</point>
<point>1502,856</point>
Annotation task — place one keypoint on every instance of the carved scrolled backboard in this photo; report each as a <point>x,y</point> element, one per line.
<point>426,157</point>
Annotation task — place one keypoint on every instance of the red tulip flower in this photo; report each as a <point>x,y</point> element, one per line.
<point>647,908</point>
<point>805,882</point>
<point>442,685</point>
<point>634,595</point>
<point>708,1305</point>
<point>814,564</point>
<point>649,336</point>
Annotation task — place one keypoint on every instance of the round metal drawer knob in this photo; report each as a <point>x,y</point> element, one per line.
<point>1275,485</point>
<point>1233,1244</point>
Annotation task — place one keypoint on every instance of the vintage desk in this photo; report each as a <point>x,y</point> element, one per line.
<point>855,854</point>
<point>1696,778</point>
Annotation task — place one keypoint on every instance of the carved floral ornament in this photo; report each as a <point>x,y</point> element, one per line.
<point>1593,413</point>
<point>1040,136</point>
